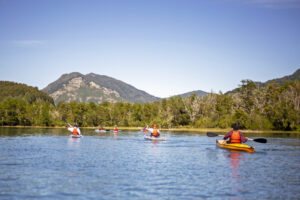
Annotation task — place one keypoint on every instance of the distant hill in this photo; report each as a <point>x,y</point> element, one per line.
<point>295,76</point>
<point>95,88</point>
<point>31,94</point>
<point>197,92</point>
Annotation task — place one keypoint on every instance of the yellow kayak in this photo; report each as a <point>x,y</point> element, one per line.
<point>239,147</point>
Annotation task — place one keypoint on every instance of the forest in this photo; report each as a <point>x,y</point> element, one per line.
<point>273,107</point>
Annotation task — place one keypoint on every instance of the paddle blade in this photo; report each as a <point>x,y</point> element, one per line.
<point>211,134</point>
<point>66,122</point>
<point>260,140</point>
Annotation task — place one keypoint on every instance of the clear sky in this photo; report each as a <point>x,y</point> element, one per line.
<point>164,47</point>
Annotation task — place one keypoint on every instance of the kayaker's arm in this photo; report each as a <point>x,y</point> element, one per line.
<point>150,130</point>
<point>70,129</point>
<point>243,139</point>
<point>228,135</point>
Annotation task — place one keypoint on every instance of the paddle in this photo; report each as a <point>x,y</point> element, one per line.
<point>67,122</point>
<point>103,130</point>
<point>260,140</point>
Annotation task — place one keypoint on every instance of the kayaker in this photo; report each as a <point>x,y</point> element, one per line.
<point>115,128</point>
<point>154,131</point>
<point>235,136</point>
<point>75,130</point>
<point>101,128</point>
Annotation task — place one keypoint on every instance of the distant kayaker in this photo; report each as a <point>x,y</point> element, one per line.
<point>154,131</point>
<point>235,136</point>
<point>101,128</point>
<point>75,130</point>
<point>115,128</point>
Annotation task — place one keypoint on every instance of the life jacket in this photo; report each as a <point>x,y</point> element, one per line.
<point>155,132</point>
<point>75,132</point>
<point>235,137</point>
<point>116,129</point>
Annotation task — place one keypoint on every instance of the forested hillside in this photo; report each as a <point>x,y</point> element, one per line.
<point>275,107</point>
<point>295,76</point>
<point>280,81</point>
<point>31,94</point>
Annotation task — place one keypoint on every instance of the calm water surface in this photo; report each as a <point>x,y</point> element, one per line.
<point>47,164</point>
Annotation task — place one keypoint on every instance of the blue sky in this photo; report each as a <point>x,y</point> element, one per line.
<point>164,47</point>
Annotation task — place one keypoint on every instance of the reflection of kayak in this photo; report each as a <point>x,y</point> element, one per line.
<point>115,132</point>
<point>100,131</point>
<point>239,147</point>
<point>76,136</point>
<point>148,137</point>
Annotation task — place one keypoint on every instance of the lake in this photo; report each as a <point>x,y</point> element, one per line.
<point>47,164</point>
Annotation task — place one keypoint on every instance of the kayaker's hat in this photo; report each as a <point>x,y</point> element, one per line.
<point>154,125</point>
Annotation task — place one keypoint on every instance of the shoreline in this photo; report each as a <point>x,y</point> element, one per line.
<point>198,130</point>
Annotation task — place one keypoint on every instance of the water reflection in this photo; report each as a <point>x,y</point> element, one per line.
<point>74,143</point>
<point>115,136</point>
<point>154,145</point>
<point>235,157</point>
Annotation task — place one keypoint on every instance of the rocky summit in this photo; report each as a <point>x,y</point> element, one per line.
<point>95,88</point>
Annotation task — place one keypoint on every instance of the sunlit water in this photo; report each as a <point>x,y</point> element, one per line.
<point>47,164</point>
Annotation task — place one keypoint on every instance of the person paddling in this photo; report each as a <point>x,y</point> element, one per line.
<point>235,136</point>
<point>75,130</point>
<point>115,128</point>
<point>101,128</point>
<point>154,131</point>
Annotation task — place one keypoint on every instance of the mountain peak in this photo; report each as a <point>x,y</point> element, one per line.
<point>197,92</point>
<point>73,74</point>
<point>95,88</point>
<point>91,74</point>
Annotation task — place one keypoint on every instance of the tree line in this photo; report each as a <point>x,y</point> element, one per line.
<point>274,107</point>
<point>30,94</point>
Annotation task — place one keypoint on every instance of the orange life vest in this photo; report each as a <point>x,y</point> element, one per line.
<point>235,137</point>
<point>155,132</point>
<point>75,132</point>
<point>116,129</point>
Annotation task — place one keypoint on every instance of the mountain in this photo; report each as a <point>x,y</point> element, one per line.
<point>197,92</point>
<point>95,88</point>
<point>295,76</point>
<point>31,94</point>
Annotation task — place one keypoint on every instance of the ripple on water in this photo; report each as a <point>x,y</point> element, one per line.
<point>186,166</point>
